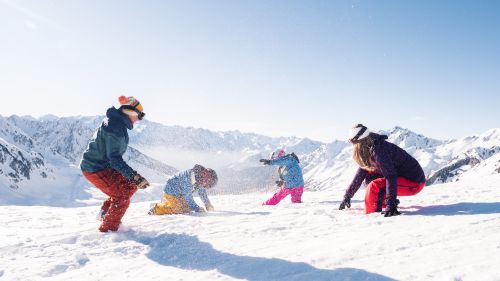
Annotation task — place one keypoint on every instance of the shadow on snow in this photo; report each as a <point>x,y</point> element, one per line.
<point>337,202</point>
<point>458,209</point>
<point>228,214</point>
<point>188,252</point>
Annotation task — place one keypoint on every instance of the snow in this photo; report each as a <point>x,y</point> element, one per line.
<point>447,232</point>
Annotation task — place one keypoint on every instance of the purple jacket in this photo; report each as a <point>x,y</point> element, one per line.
<point>392,162</point>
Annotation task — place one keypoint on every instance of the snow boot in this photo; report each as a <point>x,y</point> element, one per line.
<point>397,204</point>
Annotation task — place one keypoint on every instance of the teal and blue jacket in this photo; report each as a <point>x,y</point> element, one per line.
<point>292,174</point>
<point>109,143</point>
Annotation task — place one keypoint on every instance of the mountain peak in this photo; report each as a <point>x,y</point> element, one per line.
<point>397,129</point>
<point>491,134</point>
<point>24,117</point>
<point>409,139</point>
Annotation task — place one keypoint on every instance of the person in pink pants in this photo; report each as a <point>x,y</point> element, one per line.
<point>291,179</point>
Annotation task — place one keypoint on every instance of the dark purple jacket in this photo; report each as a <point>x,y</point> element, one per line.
<point>392,162</point>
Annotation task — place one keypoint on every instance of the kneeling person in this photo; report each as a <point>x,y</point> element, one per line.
<point>178,192</point>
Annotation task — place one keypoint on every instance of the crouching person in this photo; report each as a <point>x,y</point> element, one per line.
<point>388,170</point>
<point>178,192</point>
<point>102,163</point>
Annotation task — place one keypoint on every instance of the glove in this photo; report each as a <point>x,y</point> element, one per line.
<point>280,183</point>
<point>210,208</point>
<point>140,181</point>
<point>345,203</point>
<point>152,208</point>
<point>265,161</point>
<point>391,212</point>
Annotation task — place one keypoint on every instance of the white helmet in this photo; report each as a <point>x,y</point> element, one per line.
<point>358,133</point>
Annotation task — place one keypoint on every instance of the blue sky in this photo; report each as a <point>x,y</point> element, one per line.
<point>305,68</point>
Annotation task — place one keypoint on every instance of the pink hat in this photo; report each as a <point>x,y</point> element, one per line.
<point>278,154</point>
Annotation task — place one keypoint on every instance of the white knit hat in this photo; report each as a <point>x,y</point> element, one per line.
<point>358,133</point>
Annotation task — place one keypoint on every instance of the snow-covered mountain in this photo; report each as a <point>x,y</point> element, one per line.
<point>31,173</point>
<point>463,163</point>
<point>39,160</point>
<point>158,151</point>
<point>21,158</point>
<point>18,165</point>
<point>68,136</point>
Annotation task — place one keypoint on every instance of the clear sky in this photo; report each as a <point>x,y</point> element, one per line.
<point>280,68</point>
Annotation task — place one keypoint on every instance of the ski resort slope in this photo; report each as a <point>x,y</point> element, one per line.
<point>447,232</point>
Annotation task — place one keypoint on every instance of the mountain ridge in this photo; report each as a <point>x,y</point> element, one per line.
<point>159,151</point>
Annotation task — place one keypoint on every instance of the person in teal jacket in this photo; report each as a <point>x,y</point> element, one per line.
<point>290,173</point>
<point>102,163</point>
<point>178,192</point>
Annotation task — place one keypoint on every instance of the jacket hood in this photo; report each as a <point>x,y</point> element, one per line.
<point>116,115</point>
<point>377,137</point>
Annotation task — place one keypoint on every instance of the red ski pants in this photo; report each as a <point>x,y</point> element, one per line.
<point>119,189</point>
<point>405,188</point>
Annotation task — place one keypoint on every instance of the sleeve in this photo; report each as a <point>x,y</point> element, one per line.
<point>113,144</point>
<point>283,161</point>
<point>188,195</point>
<point>356,183</point>
<point>168,186</point>
<point>388,170</point>
<point>204,197</point>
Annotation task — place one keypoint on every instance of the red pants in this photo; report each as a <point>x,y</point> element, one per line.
<point>405,188</point>
<point>119,189</point>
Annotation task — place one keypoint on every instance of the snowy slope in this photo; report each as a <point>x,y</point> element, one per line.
<point>490,166</point>
<point>447,232</point>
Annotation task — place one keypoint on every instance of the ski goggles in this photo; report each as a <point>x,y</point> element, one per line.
<point>140,114</point>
